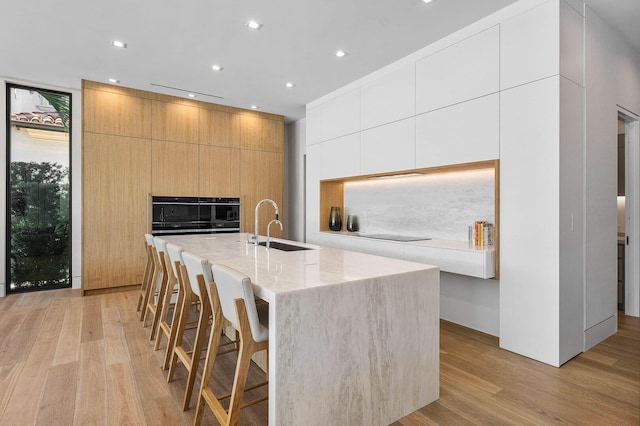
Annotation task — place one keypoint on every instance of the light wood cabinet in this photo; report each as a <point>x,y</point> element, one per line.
<point>116,114</point>
<point>219,128</point>
<point>138,144</point>
<point>174,168</point>
<point>175,122</point>
<point>116,182</point>
<point>219,168</point>
<point>261,134</point>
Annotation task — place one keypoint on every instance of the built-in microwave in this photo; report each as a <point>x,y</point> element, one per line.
<point>194,215</point>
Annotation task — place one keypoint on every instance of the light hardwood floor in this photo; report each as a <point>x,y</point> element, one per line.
<point>67,359</point>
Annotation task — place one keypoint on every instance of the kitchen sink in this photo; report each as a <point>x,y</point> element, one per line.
<point>283,246</point>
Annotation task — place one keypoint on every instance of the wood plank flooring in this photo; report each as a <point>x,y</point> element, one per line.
<point>72,360</point>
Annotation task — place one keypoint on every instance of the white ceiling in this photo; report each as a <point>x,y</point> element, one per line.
<point>175,43</point>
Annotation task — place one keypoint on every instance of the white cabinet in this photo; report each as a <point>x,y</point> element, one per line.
<point>463,71</point>
<point>336,158</point>
<point>389,97</point>
<point>529,48</point>
<point>388,148</point>
<point>337,117</point>
<point>454,257</point>
<point>461,133</point>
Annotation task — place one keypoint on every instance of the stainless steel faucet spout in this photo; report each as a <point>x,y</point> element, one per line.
<point>255,229</point>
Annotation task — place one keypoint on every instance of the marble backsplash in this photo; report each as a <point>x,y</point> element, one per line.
<point>440,206</point>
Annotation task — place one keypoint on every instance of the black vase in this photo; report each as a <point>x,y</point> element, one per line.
<point>335,219</point>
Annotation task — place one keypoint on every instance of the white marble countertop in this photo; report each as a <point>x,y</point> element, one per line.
<point>275,271</point>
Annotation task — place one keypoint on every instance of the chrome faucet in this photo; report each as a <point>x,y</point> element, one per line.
<point>260,203</point>
<point>269,230</point>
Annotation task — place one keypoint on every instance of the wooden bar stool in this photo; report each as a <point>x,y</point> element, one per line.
<point>146,277</point>
<point>237,301</point>
<point>154,282</point>
<point>154,303</point>
<point>194,286</point>
<point>173,298</point>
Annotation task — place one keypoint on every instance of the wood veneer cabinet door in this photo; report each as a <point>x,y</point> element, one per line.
<point>261,176</point>
<point>116,181</point>
<point>219,171</point>
<point>174,168</point>
<point>263,134</point>
<point>219,128</point>
<point>116,114</point>
<point>175,122</point>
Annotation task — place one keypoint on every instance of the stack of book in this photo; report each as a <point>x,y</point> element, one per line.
<point>483,234</point>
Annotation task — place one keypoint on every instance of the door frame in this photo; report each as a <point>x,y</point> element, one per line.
<point>632,212</point>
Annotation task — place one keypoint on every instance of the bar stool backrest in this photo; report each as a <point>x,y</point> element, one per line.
<point>196,265</point>
<point>232,285</point>
<point>175,255</point>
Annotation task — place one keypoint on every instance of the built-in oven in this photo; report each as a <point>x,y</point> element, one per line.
<point>194,215</point>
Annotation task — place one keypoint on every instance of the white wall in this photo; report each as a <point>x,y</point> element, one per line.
<point>76,180</point>
<point>294,180</point>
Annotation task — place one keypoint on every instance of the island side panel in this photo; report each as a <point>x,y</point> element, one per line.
<point>363,352</point>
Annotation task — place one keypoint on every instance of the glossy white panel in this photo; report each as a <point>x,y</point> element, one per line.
<point>389,147</point>
<point>529,46</point>
<point>463,71</point>
<point>461,133</point>
<point>389,97</point>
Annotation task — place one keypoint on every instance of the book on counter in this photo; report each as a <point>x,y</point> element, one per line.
<point>483,234</point>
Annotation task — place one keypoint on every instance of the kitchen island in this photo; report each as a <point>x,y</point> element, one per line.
<point>353,338</point>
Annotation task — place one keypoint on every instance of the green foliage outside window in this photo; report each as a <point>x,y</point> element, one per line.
<point>39,224</point>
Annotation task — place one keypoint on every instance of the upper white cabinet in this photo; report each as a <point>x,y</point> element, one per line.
<point>529,48</point>
<point>463,71</point>
<point>389,97</point>
<point>337,117</point>
<point>388,148</point>
<point>336,158</point>
<point>461,133</point>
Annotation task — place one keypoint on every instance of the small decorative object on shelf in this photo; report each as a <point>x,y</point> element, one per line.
<point>352,223</point>
<point>483,234</point>
<point>335,219</point>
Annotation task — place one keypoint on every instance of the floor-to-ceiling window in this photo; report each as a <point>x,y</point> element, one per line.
<point>38,189</point>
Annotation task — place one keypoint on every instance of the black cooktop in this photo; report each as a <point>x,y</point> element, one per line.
<point>395,237</point>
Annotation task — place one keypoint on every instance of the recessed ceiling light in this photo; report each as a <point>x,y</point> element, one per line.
<point>427,1</point>
<point>254,25</point>
<point>191,95</point>
<point>254,107</point>
<point>118,43</point>
<point>113,80</point>
<point>341,53</point>
<point>290,85</point>
<point>216,67</point>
